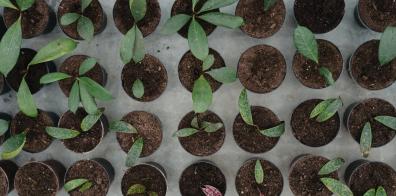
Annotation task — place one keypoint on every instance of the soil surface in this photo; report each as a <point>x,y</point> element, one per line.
<point>124,20</point>
<point>319,16</point>
<point>304,178</point>
<point>148,126</point>
<point>7,174</point>
<point>365,112</point>
<point>307,71</point>
<point>377,15</point>
<point>147,175</point>
<point>198,175</point>
<point>309,131</point>
<point>261,69</point>
<point>258,22</point>
<point>366,69</point>
<point>249,138</point>
<point>202,143</point>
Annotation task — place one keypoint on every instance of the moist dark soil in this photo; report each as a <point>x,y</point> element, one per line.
<point>88,140</point>
<point>366,69</point>
<point>304,178</point>
<point>185,7</point>
<point>309,131</point>
<point>71,67</point>
<point>319,16</point>
<point>249,138</point>
<point>124,20</point>
<point>307,71</point>
<point>36,20</point>
<point>246,184</point>
<point>92,171</point>
<point>146,175</point>
<point>377,15</point>
<point>151,72</point>
<point>94,12</point>
<point>14,78</point>
<point>261,69</point>
<point>202,143</point>
<point>148,126</point>
<point>371,175</point>
<point>190,69</point>
<point>37,140</point>
<point>258,22</point>
<point>197,176</point>
<point>7,174</point>
<point>365,112</point>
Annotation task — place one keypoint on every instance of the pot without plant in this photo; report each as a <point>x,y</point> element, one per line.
<point>7,174</point>
<point>5,136</point>
<point>376,15</point>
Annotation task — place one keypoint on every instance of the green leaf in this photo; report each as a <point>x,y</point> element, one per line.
<point>134,152</point>
<point>86,66</point>
<point>87,100</point>
<point>7,3</point>
<point>85,4</point>
<point>53,77</point>
<point>202,95</point>
<point>136,189</point>
<point>336,187</point>
<point>331,166</point>
<point>151,193</point>
<point>258,172</point>
<point>132,46</point>
<point>13,146</point>
<point>74,97</point>
<point>85,28</point>
<point>54,50</point>
<point>320,108</point>
<point>194,123</point>
<point>24,4</point>
<point>387,47</point>
<point>268,4</point>
<point>61,133</point>
<point>212,127</point>
<point>276,131</point>
<point>306,44</point>
<point>90,120</point>
<point>185,132</point>
<point>26,101</point>
<point>214,4</point>
<point>208,62</point>
<point>381,191</point>
<point>10,46</point>
<point>138,89</point>
<point>95,89</point>
<point>175,23</point>
<point>122,127</point>
<point>73,184</point>
<point>4,125</point>
<point>223,19</point>
<point>370,192</point>
<point>330,110</point>
<point>244,108</point>
<point>327,75</point>
<point>138,9</point>
<point>224,75</point>
<point>388,121</point>
<point>194,3</point>
<point>197,40</point>
<point>366,139</point>
<point>69,18</point>
<point>85,187</point>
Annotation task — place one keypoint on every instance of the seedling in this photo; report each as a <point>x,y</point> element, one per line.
<point>268,4</point>
<point>387,47</point>
<point>306,44</point>
<point>259,174</point>
<point>84,89</point>
<point>138,189</point>
<point>197,39</point>
<point>85,26</point>
<point>82,184</point>
<point>197,126</point>
<point>246,114</point>
<point>326,109</point>
<point>334,185</point>
<point>209,190</point>
<point>380,191</point>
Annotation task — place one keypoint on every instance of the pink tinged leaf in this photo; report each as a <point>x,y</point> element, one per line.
<point>211,191</point>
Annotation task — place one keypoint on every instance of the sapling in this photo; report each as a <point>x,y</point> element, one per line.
<point>138,189</point>
<point>209,190</point>
<point>326,109</point>
<point>259,174</point>
<point>197,126</point>
<point>380,191</point>
<point>334,185</point>
<point>387,47</point>
<point>85,26</point>
<point>81,184</point>
<point>306,44</point>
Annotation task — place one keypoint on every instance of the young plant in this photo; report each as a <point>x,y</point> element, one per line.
<point>268,4</point>
<point>259,174</point>
<point>197,126</point>
<point>81,183</point>
<point>197,39</point>
<point>387,47</point>
<point>326,109</point>
<point>209,190</point>
<point>246,114</point>
<point>84,89</point>
<point>306,44</point>
<point>138,189</point>
<point>85,26</point>
<point>380,191</point>
<point>334,185</point>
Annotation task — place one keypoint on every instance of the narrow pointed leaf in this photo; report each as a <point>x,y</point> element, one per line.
<point>320,108</point>
<point>209,190</point>
<point>73,184</point>
<point>366,140</point>
<point>136,189</point>
<point>381,191</point>
<point>138,89</point>
<point>258,172</point>
<point>175,23</point>
<point>197,40</point>
<point>212,127</point>
<point>223,19</point>
<point>26,101</point>
<point>24,4</point>
<point>4,125</point>
<point>95,89</point>
<point>85,4</point>
<point>61,133</point>
<point>224,75</point>
<point>214,4</point>
<point>90,120</point>
<point>54,50</point>
<point>330,111</point>
<point>7,3</point>
<point>336,187</point>
<point>85,28</point>
<point>53,77</point>
<point>331,166</point>
<point>306,44</point>
<point>74,97</point>
<point>134,152</point>
<point>13,146</point>
<point>202,95</point>
<point>370,192</point>
<point>327,75</point>
<point>127,43</point>
<point>194,123</point>
<point>276,131</point>
<point>69,18</point>
<point>10,46</point>
<point>138,48</point>
<point>138,9</point>
<point>268,4</point>
<point>86,66</point>
<point>388,121</point>
<point>85,187</point>
<point>208,62</point>
<point>185,132</point>
<point>244,108</point>
<point>122,127</point>
<point>87,100</point>
<point>387,47</point>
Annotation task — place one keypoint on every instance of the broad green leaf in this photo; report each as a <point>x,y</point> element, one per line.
<point>54,50</point>
<point>194,123</point>
<point>366,139</point>
<point>194,3</point>
<point>202,95</point>
<point>136,189</point>
<point>387,47</point>
<point>122,127</point>
<point>53,77</point>
<point>330,110</point>
<point>74,97</point>
<point>87,100</point>
<point>388,121</point>
<point>85,4</point>
<point>244,108</point>
<point>327,75</point>
<point>10,46</point>
<point>86,66</point>
<point>138,89</point>
<point>214,4</point>
<point>223,19</point>
<point>197,40</point>
<point>224,75</point>
<point>69,18</point>
<point>331,166</point>
<point>13,146</point>
<point>132,46</point>
<point>336,187</point>
<point>268,4</point>
<point>85,187</point>
<point>85,28</point>
<point>175,23</point>
<point>151,193</point>
<point>25,4</point>
<point>73,184</point>
<point>320,108</point>
<point>138,9</point>
<point>306,44</point>
<point>90,120</point>
<point>61,133</point>
<point>370,192</point>
<point>95,89</point>
<point>381,191</point>
<point>134,152</point>
<point>138,49</point>
<point>26,101</point>
<point>7,3</point>
<point>4,125</point>
<point>258,172</point>
<point>185,132</point>
<point>208,62</point>
<point>276,131</point>
<point>212,127</point>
